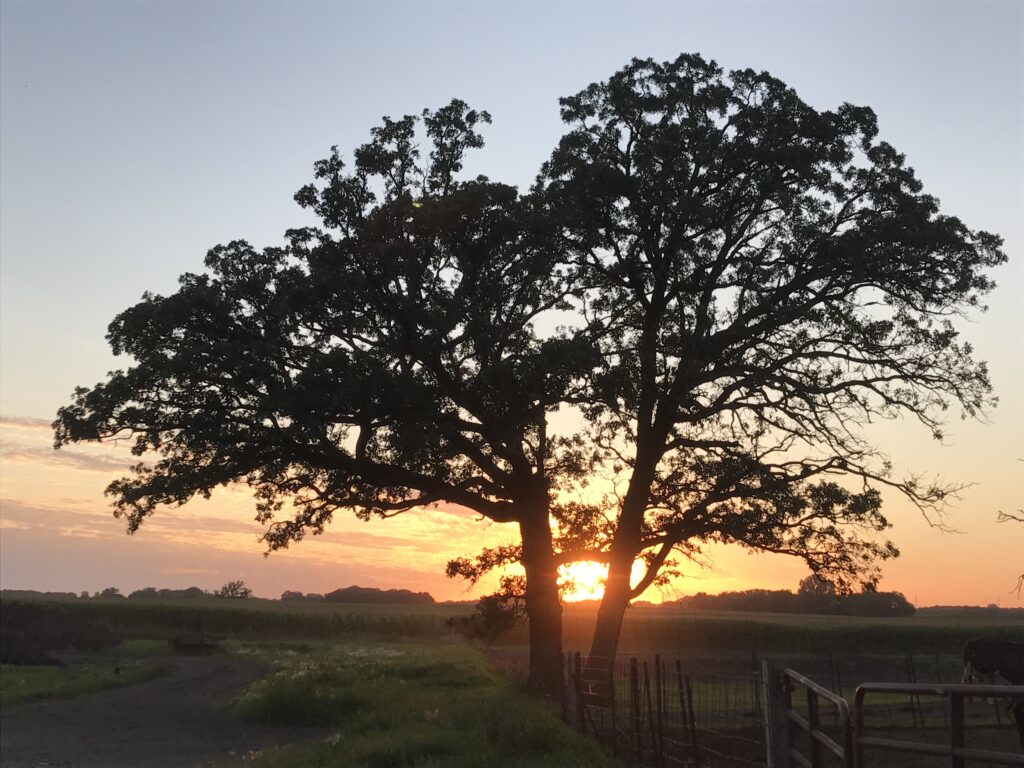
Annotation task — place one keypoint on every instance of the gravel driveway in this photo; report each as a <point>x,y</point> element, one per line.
<point>175,721</point>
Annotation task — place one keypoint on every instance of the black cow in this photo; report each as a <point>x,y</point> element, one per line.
<point>994,657</point>
<point>998,657</point>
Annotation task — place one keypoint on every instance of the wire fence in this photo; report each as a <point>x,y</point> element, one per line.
<point>660,712</point>
<point>706,710</point>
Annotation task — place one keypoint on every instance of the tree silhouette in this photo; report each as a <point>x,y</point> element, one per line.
<point>234,589</point>
<point>748,281</point>
<point>386,361</point>
<point>767,279</point>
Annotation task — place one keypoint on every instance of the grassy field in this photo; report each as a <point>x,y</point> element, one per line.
<point>263,619</point>
<point>395,685</point>
<point>666,630</point>
<point>404,704</point>
<point>384,686</point>
<point>647,629</point>
<point>127,664</point>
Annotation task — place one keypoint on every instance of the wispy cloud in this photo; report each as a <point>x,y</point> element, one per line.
<point>25,515</point>
<point>190,571</point>
<point>24,422</point>
<point>17,452</point>
<point>82,532</point>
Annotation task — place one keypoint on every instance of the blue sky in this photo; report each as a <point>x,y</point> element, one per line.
<point>136,135</point>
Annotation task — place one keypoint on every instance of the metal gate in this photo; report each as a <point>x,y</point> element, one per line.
<point>811,727</point>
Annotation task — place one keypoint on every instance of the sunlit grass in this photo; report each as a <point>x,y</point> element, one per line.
<point>393,704</point>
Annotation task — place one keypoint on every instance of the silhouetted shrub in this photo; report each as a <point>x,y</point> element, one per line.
<point>356,594</point>
<point>30,633</point>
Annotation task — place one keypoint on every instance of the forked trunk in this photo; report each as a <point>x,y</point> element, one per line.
<point>543,608</point>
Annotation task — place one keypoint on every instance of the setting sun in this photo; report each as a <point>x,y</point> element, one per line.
<point>582,581</point>
<point>585,580</point>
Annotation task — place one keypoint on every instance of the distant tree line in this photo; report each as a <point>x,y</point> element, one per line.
<point>355,594</point>
<point>233,589</point>
<point>237,590</point>
<point>814,596</point>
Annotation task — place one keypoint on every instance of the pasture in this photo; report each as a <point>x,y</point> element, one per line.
<point>434,703</point>
<point>657,629</point>
<point>256,619</point>
<point>130,663</point>
<point>396,685</point>
<point>343,686</point>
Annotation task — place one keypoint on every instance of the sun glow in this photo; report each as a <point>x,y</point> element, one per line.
<point>582,581</point>
<point>585,580</point>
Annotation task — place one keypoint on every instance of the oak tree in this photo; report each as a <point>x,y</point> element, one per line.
<point>750,281</point>
<point>764,279</point>
<point>387,360</point>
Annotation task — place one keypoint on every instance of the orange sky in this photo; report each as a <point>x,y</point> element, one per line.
<point>57,533</point>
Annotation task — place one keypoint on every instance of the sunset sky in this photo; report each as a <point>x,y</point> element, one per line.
<point>136,135</point>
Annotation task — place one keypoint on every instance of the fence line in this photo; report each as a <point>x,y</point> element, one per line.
<point>662,712</point>
<point>957,749</point>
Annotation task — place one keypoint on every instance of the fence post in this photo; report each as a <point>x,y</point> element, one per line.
<point>917,715</point>
<point>660,697</point>
<point>612,694</point>
<point>693,722</point>
<point>566,678</point>
<point>814,723</point>
<point>956,717</point>
<point>938,677</point>
<point>577,673</point>
<point>755,687</point>
<point>655,747</point>
<point>774,707</point>
<point>684,719</point>
<point>634,705</point>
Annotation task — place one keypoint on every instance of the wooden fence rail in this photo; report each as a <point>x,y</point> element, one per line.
<point>955,750</point>
<point>786,727</point>
<point>818,739</point>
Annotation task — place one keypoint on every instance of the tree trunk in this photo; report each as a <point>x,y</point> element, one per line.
<point>608,628</point>
<point>617,588</point>
<point>543,608</point>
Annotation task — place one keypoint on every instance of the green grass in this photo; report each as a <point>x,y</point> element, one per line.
<point>402,706</point>
<point>670,629</point>
<point>31,683</point>
<point>264,619</point>
<point>662,629</point>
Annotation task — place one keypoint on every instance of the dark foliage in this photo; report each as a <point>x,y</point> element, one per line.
<point>880,604</point>
<point>747,281</point>
<point>312,597</point>
<point>356,594</point>
<point>768,278</point>
<point>152,593</point>
<point>236,590</point>
<point>31,633</point>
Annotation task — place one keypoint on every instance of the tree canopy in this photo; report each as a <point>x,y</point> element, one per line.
<point>237,590</point>
<point>768,279</point>
<point>385,361</point>
<point>748,280</point>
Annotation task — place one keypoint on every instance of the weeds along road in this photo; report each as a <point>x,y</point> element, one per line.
<point>178,720</point>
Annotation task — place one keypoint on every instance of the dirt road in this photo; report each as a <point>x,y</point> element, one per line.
<point>176,721</point>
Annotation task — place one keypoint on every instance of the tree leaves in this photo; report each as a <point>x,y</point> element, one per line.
<point>750,281</point>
